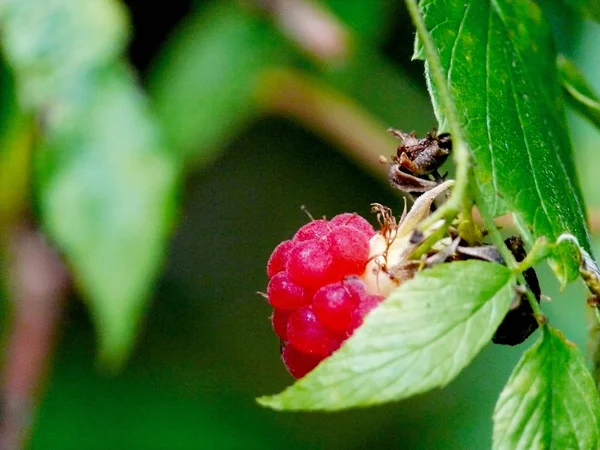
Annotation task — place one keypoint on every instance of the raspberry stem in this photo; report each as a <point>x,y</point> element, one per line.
<point>460,200</point>
<point>430,241</point>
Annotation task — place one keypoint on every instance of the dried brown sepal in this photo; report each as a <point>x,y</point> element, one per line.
<point>390,261</point>
<point>409,183</point>
<point>385,218</point>
<point>590,274</point>
<point>484,252</point>
<point>593,301</point>
<point>444,255</point>
<point>421,156</point>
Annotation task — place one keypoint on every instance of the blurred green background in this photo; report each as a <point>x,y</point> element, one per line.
<point>268,116</point>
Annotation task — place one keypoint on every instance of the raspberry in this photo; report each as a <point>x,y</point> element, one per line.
<point>298,364</point>
<point>367,304</point>
<point>316,288</point>
<point>355,221</point>
<point>308,335</point>
<point>279,320</point>
<point>279,258</point>
<point>350,249</point>
<point>356,286</point>
<point>310,263</point>
<point>283,293</point>
<point>335,303</point>
<point>313,230</point>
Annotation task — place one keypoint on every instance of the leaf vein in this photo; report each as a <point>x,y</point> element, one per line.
<point>487,112</point>
<point>455,44</point>
<point>529,158</point>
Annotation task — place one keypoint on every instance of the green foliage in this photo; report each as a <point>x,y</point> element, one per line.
<point>103,176</point>
<point>369,20</point>
<point>52,45</point>
<point>106,184</point>
<point>580,94</point>
<point>204,83</point>
<point>432,326</point>
<point>419,338</point>
<point>589,9</point>
<point>550,400</point>
<point>503,79</point>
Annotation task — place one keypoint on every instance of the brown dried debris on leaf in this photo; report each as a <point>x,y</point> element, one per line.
<point>414,168</point>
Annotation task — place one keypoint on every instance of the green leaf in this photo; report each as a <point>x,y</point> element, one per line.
<point>550,400</point>
<point>204,82</point>
<point>499,63</point>
<point>49,43</point>
<point>580,94</point>
<point>104,180</point>
<point>590,9</point>
<point>106,188</point>
<point>419,338</point>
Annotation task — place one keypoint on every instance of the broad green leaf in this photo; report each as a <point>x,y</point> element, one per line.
<point>106,188</point>
<point>104,180</point>
<point>203,83</point>
<point>500,67</point>
<point>418,339</point>
<point>550,400</point>
<point>49,43</point>
<point>590,9</point>
<point>580,94</point>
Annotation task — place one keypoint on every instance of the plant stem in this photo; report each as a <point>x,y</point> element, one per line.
<point>460,198</point>
<point>39,282</point>
<point>510,260</point>
<point>460,201</point>
<point>329,113</point>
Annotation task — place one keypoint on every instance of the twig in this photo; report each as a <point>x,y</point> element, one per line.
<point>37,282</point>
<point>325,111</point>
<point>311,27</point>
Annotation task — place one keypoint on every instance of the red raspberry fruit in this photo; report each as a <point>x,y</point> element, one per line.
<point>335,304</point>
<point>350,250</point>
<point>279,258</point>
<point>367,304</point>
<point>355,221</point>
<point>308,335</point>
<point>284,293</point>
<point>298,364</point>
<point>356,286</point>
<point>316,288</point>
<point>313,230</point>
<point>310,263</point>
<point>279,320</point>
